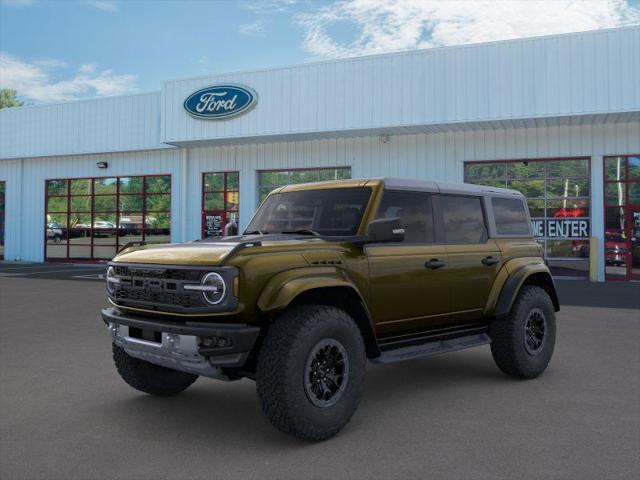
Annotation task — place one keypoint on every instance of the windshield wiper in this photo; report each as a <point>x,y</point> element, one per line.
<point>255,232</point>
<point>303,231</point>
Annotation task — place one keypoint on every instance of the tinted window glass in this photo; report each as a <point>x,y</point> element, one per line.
<point>330,212</point>
<point>463,219</point>
<point>511,218</point>
<point>414,211</point>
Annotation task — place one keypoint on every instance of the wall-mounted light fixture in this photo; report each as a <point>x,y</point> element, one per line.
<point>384,138</point>
<point>102,164</point>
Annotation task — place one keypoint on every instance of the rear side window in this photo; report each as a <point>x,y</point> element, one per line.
<point>463,219</point>
<point>414,211</point>
<point>510,216</point>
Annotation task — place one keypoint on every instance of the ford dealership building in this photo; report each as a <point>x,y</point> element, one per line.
<point>555,117</point>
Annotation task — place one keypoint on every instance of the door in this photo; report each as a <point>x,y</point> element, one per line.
<point>220,194</point>
<point>634,243</point>
<point>474,259</point>
<point>408,286</point>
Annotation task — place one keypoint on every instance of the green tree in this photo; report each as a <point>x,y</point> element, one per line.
<point>8,98</point>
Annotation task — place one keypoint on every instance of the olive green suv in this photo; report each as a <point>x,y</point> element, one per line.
<point>325,277</point>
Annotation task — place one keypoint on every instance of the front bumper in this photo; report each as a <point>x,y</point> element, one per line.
<point>194,347</point>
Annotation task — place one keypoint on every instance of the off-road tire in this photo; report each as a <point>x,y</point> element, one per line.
<point>281,373</point>
<point>508,335</point>
<point>150,378</point>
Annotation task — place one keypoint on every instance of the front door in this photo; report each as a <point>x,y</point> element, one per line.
<point>409,290</point>
<point>407,294</point>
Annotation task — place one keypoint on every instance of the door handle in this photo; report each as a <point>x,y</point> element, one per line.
<point>435,263</point>
<point>490,260</point>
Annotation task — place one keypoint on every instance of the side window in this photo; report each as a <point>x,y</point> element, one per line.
<point>463,219</point>
<point>510,216</point>
<point>415,212</point>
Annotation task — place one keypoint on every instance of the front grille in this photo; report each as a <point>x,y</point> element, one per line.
<point>156,297</point>
<point>159,273</point>
<point>159,288</point>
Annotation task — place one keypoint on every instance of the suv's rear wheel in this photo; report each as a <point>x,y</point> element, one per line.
<point>311,371</point>
<point>150,378</point>
<point>522,343</point>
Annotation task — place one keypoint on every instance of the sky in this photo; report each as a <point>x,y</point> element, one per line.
<point>60,50</point>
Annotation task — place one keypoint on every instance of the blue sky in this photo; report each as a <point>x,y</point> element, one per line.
<point>63,50</point>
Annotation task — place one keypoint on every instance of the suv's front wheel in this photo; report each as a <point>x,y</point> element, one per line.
<point>311,371</point>
<point>522,343</point>
<point>150,378</point>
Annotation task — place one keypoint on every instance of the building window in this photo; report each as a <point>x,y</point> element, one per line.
<point>269,180</point>
<point>558,192</point>
<point>622,217</point>
<point>220,201</point>
<point>91,218</point>
<point>2,210</point>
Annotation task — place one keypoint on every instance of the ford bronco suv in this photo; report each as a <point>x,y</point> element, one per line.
<point>327,276</point>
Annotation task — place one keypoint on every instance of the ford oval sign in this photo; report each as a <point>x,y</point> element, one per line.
<point>220,101</point>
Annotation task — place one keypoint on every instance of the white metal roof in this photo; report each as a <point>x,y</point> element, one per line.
<point>569,79</point>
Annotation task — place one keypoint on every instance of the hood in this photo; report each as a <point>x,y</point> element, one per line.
<point>206,252</point>
<point>176,254</point>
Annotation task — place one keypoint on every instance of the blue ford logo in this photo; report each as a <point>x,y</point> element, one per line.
<point>220,101</point>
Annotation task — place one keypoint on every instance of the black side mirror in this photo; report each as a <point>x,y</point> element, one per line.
<point>385,230</point>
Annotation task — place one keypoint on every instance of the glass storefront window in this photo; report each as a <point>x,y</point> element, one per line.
<point>615,168</point>
<point>91,218</point>
<point>614,193</point>
<point>220,201</point>
<point>269,180</point>
<point>559,197</point>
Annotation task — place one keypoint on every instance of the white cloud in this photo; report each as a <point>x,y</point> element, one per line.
<point>36,81</point>
<point>104,5</point>
<point>389,25</point>
<point>252,29</point>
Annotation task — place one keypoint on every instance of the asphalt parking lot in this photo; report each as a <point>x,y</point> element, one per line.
<point>65,413</point>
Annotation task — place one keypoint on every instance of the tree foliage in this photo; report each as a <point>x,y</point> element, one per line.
<point>9,98</point>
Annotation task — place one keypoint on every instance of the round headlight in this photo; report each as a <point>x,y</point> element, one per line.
<point>112,280</point>
<point>215,288</point>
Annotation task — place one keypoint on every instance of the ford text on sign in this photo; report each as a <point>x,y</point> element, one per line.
<point>220,101</point>
<point>569,228</point>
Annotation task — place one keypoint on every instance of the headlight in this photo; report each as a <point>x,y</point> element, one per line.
<point>212,287</point>
<point>112,280</point>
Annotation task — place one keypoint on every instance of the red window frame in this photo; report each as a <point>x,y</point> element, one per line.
<point>226,210</point>
<point>91,212</point>
<point>628,207</point>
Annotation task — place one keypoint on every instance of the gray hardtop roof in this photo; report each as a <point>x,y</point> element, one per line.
<point>397,183</point>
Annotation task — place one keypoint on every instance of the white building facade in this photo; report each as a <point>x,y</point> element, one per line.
<point>556,117</point>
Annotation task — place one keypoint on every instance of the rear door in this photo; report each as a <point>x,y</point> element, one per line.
<point>408,287</point>
<point>474,258</point>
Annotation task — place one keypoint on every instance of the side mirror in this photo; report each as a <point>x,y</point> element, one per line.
<point>385,230</point>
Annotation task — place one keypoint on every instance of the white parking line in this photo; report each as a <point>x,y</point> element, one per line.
<point>41,272</point>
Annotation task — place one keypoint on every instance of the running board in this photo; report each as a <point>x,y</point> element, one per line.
<point>433,347</point>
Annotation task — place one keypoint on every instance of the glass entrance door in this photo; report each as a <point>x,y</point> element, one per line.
<point>220,192</point>
<point>634,241</point>
<point>622,217</point>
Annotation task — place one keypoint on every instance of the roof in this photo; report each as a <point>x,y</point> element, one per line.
<point>408,184</point>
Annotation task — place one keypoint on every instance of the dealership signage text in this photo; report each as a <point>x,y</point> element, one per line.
<point>561,228</point>
<point>220,101</point>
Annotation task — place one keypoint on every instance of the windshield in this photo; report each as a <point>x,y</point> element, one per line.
<point>327,212</point>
